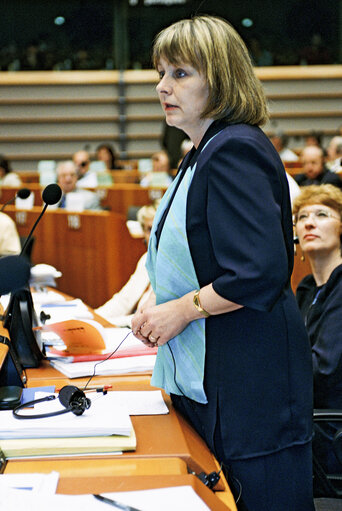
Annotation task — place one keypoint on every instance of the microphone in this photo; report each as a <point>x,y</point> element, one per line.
<point>23,193</point>
<point>14,273</point>
<point>51,195</point>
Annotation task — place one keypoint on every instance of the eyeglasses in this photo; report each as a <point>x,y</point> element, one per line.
<point>320,215</point>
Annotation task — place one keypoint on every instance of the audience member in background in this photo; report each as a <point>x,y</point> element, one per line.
<point>313,138</point>
<point>280,142</point>
<point>74,197</point>
<point>334,155</point>
<point>314,170</point>
<point>86,178</point>
<point>106,153</point>
<point>7,176</point>
<point>160,175</point>
<point>120,308</point>
<point>318,212</point>
<point>9,237</point>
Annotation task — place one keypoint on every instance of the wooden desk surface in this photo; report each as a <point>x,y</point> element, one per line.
<point>167,448</point>
<point>158,436</point>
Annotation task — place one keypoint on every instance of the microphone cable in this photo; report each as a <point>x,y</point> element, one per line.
<point>107,358</point>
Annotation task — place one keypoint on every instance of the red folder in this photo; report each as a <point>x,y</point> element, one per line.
<point>130,351</point>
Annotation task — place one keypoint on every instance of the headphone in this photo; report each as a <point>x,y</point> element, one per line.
<point>72,398</point>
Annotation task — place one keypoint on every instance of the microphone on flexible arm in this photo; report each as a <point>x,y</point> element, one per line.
<point>23,193</point>
<point>51,195</point>
<point>14,269</point>
<point>20,317</point>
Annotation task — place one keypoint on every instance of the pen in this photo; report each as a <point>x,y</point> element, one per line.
<point>116,504</point>
<point>100,388</point>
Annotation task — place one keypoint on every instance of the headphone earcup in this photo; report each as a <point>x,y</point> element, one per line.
<point>74,399</point>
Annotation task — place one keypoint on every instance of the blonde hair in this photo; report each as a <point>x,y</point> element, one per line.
<point>214,48</point>
<point>328,195</point>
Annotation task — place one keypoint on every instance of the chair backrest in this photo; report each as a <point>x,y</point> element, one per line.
<point>327,453</point>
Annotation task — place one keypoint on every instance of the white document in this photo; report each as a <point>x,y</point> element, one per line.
<point>36,483</point>
<point>180,498</point>
<point>139,402</point>
<point>112,366</point>
<point>101,419</point>
<point>63,310</point>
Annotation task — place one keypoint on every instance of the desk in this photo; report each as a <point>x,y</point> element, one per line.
<point>167,447</point>
<point>93,249</point>
<point>117,198</point>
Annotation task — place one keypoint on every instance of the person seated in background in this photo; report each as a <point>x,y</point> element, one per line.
<point>314,170</point>
<point>313,138</point>
<point>160,174</point>
<point>9,237</point>
<point>7,176</point>
<point>334,155</point>
<point>280,141</point>
<point>317,217</point>
<point>120,309</point>
<point>107,154</point>
<point>74,198</point>
<point>86,177</point>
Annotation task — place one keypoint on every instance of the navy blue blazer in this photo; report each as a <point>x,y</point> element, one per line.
<point>258,372</point>
<point>321,308</point>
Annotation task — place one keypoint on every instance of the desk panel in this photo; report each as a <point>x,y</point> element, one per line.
<point>119,198</point>
<point>93,250</point>
<point>8,192</point>
<point>116,198</point>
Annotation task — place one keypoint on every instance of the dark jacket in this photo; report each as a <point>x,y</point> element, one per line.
<point>321,308</point>
<point>258,372</point>
<point>325,178</point>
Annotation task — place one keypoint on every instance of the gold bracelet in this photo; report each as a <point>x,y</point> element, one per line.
<point>198,305</point>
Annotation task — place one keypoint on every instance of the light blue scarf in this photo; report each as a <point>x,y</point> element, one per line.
<point>179,367</point>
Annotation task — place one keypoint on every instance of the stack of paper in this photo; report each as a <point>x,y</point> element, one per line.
<point>109,367</point>
<point>52,447</point>
<point>87,343</point>
<point>100,419</point>
<point>20,438</point>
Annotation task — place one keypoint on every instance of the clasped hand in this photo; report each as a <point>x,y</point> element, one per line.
<point>155,325</point>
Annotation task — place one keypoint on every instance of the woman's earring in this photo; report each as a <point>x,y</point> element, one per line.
<point>302,257</point>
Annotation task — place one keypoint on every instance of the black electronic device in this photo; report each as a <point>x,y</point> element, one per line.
<point>20,317</point>
<point>11,370</point>
<point>10,397</point>
<point>72,398</point>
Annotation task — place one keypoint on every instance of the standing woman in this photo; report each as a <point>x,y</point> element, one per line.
<point>318,213</point>
<point>233,351</point>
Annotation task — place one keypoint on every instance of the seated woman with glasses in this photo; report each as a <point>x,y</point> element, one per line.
<point>317,215</point>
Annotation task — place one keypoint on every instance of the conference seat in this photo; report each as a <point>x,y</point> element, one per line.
<point>327,483</point>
